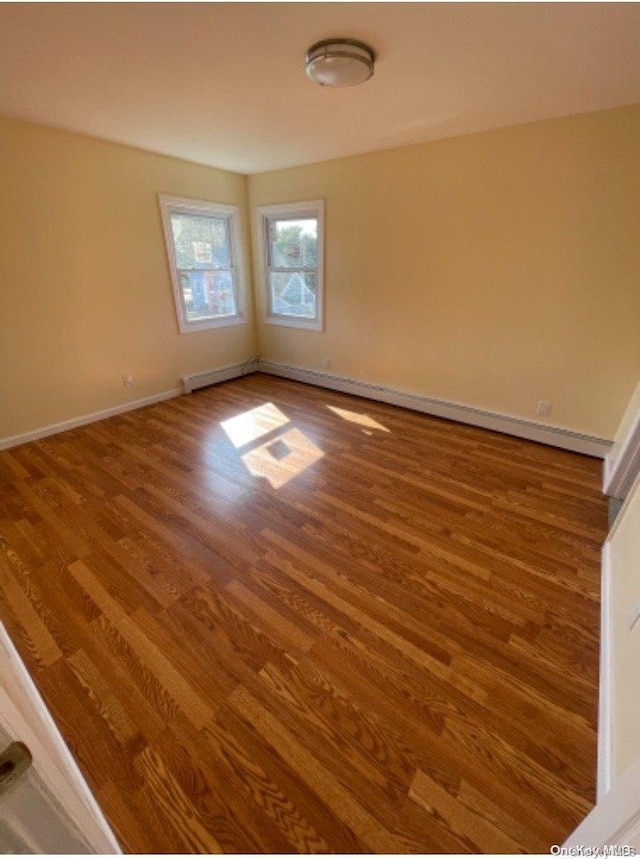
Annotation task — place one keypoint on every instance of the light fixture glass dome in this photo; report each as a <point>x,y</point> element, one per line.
<point>339,62</point>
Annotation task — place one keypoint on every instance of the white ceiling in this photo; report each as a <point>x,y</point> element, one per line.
<point>223,83</point>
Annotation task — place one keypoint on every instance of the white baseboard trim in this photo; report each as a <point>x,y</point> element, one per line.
<point>615,821</point>
<point>555,436</point>
<point>605,736</point>
<point>54,429</point>
<point>623,463</point>
<point>222,374</point>
<point>543,433</point>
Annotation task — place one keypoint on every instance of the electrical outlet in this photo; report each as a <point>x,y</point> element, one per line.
<point>327,363</point>
<point>127,380</point>
<point>543,408</point>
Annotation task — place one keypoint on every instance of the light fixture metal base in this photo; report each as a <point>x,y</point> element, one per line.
<point>339,62</point>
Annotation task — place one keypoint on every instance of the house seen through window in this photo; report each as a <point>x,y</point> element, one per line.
<point>201,241</point>
<point>292,248</point>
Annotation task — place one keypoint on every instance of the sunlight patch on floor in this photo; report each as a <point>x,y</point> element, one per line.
<point>358,418</point>
<point>279,459</point>
<point>253,424</point>
<point>283,458</point>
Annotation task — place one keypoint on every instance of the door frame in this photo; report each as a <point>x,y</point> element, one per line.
<point>24,716</point>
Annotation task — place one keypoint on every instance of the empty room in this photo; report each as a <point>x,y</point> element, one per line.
<point>319,427</point>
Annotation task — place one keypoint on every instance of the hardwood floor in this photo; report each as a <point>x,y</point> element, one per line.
<point>388,642</point>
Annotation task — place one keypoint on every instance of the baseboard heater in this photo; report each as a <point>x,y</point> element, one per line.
<point>507,424</point>
<point>213,377</point>
<point>521,428</point>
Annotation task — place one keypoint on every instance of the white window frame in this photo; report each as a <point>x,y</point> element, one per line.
<point>295,211</point>
<point>170,205</point>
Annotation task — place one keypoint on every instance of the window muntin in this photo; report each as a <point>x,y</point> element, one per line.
<point>291,238</point>
<point>202,241</point>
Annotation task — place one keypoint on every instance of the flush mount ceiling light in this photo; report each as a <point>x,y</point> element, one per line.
<point>339,62</point>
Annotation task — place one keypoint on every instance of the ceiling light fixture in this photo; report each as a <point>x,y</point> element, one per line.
<point>339,62</point>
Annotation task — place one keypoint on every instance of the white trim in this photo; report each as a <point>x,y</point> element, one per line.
<point>531,430</point>
<point>213,377</point>
<point>616,818</point>
<point>555,436</point>
<point>231,213</point>
<point>635,487</point>
<point>300,209</point>
<point>605,703</point>
<point>54,429</point>
<point>622,465</point>
<point>605,695</point>
<point>51,756</point>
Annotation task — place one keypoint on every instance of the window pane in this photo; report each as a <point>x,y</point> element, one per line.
<point>293,294</point>
<point>200,242</point>
<point>208,294</point>
<point>293,243</point>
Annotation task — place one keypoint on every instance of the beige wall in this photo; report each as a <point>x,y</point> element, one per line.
<point>85,293</point>
<point>493,270</point>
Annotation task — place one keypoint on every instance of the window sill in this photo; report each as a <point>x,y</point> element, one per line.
<point>294,322</point>
<point>209,324</point>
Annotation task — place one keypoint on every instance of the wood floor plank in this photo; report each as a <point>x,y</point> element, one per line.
<point>395,650</point>
<point>174,806</point>
<point>170,678</point>
<point>217,794</point>
<point>22,614</point>
<point>322,781</point>
<point>476,833</point>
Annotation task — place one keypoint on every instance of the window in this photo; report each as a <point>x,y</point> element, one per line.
<point>203,244</point>
<point>291,237</point>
